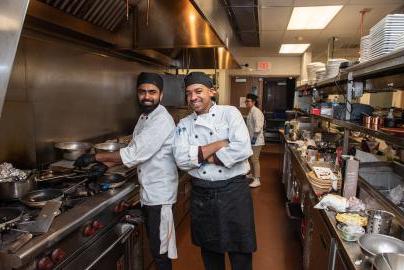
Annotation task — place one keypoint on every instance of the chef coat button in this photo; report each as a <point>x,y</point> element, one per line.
<point>194,119</point>
<point>141,117</point>
<point>213,114</point>
<point>220,171</point>
<point>140,170</point>
<point>196,136</point>
<point>204,172</point>
<point>211,133</point>
<point>147,117</point>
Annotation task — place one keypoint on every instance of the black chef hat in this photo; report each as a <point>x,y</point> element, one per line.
<point>198,77</point>
<point>153,78</point>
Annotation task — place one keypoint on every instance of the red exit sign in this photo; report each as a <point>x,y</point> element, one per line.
<point>263,65</point>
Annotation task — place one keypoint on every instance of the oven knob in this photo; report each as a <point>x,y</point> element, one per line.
<point>45,264</point>
<point>88,230</point>
<point>58,255</point>
<point>97,225</point>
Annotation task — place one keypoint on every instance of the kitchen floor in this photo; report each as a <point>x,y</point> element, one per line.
<point>277,237</point>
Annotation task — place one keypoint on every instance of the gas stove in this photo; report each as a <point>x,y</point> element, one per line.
<point>87,214</point>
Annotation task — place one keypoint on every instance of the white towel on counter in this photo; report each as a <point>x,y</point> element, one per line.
<point>167,232</point>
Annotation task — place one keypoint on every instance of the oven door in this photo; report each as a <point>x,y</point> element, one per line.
<point>119,248</point>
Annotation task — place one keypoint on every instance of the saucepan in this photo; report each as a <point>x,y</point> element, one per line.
<point>38,198</point>
<point>73,150</point>
<point>9,216</point>
<point>111,181</point>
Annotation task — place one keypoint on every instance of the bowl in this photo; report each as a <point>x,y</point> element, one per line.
<point>108,147</point>
<point>350,233</point>
<point>73,150</point>
<point>373,244</point>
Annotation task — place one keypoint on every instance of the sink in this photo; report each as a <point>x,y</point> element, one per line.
<point>382,176</point>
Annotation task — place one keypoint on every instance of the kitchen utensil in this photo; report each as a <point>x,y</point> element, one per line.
<point>72,150</point>
<point>111,181</point>
<point>12,190</point>
<point>379,221</point>
<point>44,220</point>
<point>38,198</point>
<point>373,244</point>
<point>108,147</point>
<point>388,261</point>
<point>9,216</point>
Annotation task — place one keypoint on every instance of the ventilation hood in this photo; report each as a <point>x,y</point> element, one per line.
<point>12,15</point>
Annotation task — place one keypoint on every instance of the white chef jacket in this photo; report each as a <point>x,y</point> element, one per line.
<point>222,122</point>
<point>151,151</point>
<point>255,124</point>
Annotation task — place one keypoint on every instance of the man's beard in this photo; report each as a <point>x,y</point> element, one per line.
<point>148,108</point>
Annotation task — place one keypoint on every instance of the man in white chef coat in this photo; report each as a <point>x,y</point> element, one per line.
<point>255,125</point>
<point>151,152</point>
<point>213,145</point>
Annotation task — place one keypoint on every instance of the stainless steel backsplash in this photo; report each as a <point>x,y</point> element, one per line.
<point>60,91</point>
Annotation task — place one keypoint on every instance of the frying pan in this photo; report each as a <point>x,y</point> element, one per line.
<point>38,198</point>
<point>111,181</point>
<point>9,215</point>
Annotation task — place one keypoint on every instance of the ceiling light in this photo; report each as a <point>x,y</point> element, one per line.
<point>318,17</point>
<point>293,48</point>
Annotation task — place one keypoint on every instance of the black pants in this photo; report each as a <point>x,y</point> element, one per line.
<point>215,261</point>
<point>152,216</point>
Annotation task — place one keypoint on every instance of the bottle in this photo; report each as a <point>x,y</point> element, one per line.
<point>390,121</point>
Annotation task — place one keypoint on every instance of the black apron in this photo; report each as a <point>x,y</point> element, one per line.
<point>222,215</point>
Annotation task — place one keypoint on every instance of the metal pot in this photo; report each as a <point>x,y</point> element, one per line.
<point>379,221</point>
<point>108,147</point>
<point>13,190</point>
<point>73,150</point>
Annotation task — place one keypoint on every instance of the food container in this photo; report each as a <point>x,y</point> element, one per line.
<point>108,147</point>
<point>379,221</point>
<point>73,150</point>
<point>350,233</point>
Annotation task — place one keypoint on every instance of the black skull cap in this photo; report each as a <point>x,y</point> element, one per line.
<point>198,77</point>
<point>149,77</point>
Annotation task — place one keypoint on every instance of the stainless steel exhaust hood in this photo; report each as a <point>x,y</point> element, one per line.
<point>12,14</point>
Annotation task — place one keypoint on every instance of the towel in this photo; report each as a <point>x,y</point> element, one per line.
<point>167,232</point>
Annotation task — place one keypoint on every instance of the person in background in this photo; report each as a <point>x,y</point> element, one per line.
<point>213,145</point>
<point>255,125</point>
<point>150,150</point>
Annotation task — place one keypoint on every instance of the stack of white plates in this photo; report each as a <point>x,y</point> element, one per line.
<point>320,74</point>
<point>333,67</point>
<point>384,35</point>
<point>311,71</point>
<point>365,48</point>
<point>400,42</point>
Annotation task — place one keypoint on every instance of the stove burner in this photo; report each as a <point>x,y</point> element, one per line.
<point>8,217</point>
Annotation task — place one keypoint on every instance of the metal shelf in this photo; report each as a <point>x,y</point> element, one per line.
<point>398,141</point>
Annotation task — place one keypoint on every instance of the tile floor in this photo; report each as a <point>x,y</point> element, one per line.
<point>277,237</point>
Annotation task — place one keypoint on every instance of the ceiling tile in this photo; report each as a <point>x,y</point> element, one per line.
<point>275,18</point>
<point>374,2</point>
<point>276,3</point>
<point>307,3</point>
<point>271,39</point>
<point>301,36</point>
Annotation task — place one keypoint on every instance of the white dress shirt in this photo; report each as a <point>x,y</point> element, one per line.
<point>222,122</point>
<point>255,124</point>
<point>151,151</point>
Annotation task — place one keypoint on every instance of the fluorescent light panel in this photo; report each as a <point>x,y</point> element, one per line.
<point>293,48</point>
<point>318,17</point>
